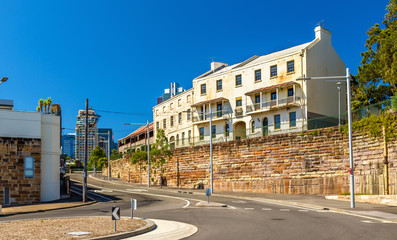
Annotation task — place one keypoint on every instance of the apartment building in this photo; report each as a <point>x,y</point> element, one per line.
<point>80,133</point>
<point>136,140</point>
<point>259,96</point>
<point>175,117</point>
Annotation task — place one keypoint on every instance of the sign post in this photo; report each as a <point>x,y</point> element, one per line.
<point>115,215</point>
<point>208,193</point>
<point>133,207</point>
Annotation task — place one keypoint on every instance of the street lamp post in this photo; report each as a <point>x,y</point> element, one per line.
<point>211,164</point>
<point>339,87</point>
<point>148,148</point>
<point>349,114</point>
<point>3,79</point>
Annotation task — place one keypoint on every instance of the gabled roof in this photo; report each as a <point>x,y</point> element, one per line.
<point>257,59</point>
<point>210,101</point>
<point>140,130</point>
<point>272,87</point>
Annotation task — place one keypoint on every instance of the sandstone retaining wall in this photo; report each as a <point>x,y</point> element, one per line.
<point>285,163</point>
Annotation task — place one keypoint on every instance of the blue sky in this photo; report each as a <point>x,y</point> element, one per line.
<point>122,54</point>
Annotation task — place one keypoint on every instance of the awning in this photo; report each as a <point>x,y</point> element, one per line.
<point>286,84</point>
<point>210,101</point>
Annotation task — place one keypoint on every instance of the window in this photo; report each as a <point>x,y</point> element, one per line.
<point>29,167</point>
<point>227,130</point>
<point>238,80</point>
<point>290,92</point>
<point>171,106</point>
<point>188,98</point>
<point>252,126</point>
<point>219,85</point>
<point>277,122</point>
<point>203,88</point>
<point>189,135</point>
<point>179,118</point>
<point>239,102</point>
<point>257,98</point>
<point>273,71</point>
<point>183,138</point>
<point>179,102</point>
<point>157,125</point>
<point>273,96</point>
<point>177,139</point>
<point>157,112</point>
<point>219,110</point>
<point>258,75</point>
<point>290,67</point>
<point>164,109</point>
<point>213,131</point>
<point>164,123</point>
<point>172,121</point>
<point>292,119</point>
<point>188,114</point>
<point>201,133</point>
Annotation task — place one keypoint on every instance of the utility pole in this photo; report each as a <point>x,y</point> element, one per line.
<point>85,152</point>
<point>148,155</point>
<point>108,155</point>
<point>211,166</point>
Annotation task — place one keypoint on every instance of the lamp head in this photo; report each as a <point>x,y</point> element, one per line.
<point>4,79</point>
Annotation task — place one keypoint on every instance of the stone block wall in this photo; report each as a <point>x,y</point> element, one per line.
<point>12,152</point>
<point>308,163</point>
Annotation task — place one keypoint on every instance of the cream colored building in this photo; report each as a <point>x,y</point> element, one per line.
<point>261,95</point>
<point>174,116</point>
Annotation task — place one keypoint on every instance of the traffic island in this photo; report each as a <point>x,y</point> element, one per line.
<point>210,204</point>
<point>70,228</point>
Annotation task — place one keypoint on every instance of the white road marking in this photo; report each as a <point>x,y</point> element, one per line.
<point>249,208</point>
<point>137,190</point>
<point>231,207</point>
<point>322,211</point>
<point>367,221</point>
<point>239,201</point>
<point>284,210</point>
<point>266,209</point>
<point>187,204</point>
<point>303,210</point>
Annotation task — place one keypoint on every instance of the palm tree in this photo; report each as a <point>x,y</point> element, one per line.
<point>49,101</point>
<point>38,108</point>
<point>45,106</point>
<point>41,104</point>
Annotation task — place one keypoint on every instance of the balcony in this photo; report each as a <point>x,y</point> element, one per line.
<point>273,104</point>
<point>204,117</point>
<point>238,112</point>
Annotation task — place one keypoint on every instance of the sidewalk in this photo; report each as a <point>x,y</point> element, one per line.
<point>73,201</point>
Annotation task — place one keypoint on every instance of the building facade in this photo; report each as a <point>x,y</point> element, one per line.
<point>29,157</point>
<point>80,134</point>
<point>175,117</point>
<point>68,144</point>
<point>103,139</point>
<point>262,96</point>
<point>137,140</point>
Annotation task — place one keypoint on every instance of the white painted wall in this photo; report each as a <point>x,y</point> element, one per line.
<point>20,124</point>
<point>50,159</point>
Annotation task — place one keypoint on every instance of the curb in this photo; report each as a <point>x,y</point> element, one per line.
<point>46,210</point>
<point>150,225</point>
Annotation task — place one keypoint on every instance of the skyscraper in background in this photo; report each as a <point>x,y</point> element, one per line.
<point>68,144</point>
<point>80,133</point>
<point>103,139</point>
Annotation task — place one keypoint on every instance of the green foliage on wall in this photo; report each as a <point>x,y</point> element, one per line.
<point>373,125</point>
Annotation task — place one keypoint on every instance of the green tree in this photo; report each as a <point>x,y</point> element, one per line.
<point>376,78</point>
<point>139,157</point>
<point>97,158</point>
<point>160,153</point>
<point>41,104</point>
<point>115,155</point>
<point>49,101</point>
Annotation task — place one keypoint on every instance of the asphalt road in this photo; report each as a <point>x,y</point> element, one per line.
<point>243,219</point>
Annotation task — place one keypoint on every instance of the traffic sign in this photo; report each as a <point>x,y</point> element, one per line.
<point>115,213</point>
<point>208,192</point>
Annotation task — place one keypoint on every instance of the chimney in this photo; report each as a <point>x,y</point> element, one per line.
<point>215,65</point>
<point>323,34</point>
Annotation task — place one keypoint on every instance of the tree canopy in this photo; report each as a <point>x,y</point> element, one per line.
<point>98,157</point>
<point>377,75</point>
<point>160,152</point>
